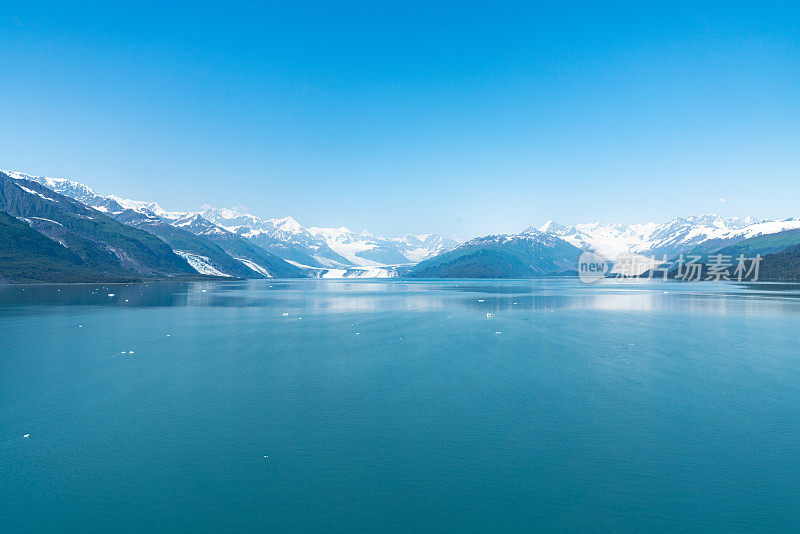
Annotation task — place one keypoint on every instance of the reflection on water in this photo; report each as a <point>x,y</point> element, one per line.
<point>386,295</point>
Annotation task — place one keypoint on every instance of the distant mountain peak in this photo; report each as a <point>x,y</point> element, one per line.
<point>287,224</point>
<point>679,234</point>
<point>550,226</point>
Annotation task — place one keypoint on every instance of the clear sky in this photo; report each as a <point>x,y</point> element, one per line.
<point>460,118</point>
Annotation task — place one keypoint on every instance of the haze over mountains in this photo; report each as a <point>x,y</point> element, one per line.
<point>105,238</point>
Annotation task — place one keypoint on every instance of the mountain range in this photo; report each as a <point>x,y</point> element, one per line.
<point>56,229</point>
<point>231,243</point>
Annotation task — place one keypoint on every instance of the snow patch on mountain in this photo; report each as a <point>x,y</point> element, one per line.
<point>140,206</point>
<point>51,221</point>
<point>201,264</point>
<point>195,223</point>
<point>254,266</point>
<point>33,192</point>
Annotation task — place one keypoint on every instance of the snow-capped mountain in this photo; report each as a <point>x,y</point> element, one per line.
<point>284,237</point>
<point>91,245</point>
<point>329,247</point>
<point>528,254</point>
<point>319,251</point>
<point>607,239</point>
<point>207,248</point>
<point>283,246</point>
<point>420,247</point>
<point>86,195</point>
<point>700,233</point>
<point>368,250</point>
<point>196,224</point>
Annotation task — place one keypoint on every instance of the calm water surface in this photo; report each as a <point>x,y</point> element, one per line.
<point>380,406</point>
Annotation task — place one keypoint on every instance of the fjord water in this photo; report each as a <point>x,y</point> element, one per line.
<point>322,406</point>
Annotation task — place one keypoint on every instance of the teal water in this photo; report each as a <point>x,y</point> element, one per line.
<point>398,406</point>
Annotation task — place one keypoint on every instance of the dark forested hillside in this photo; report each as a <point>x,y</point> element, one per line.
<point>28,256</point>
<point>105,244</point>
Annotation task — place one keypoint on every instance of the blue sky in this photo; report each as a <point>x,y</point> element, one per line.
<point>459,118</point>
